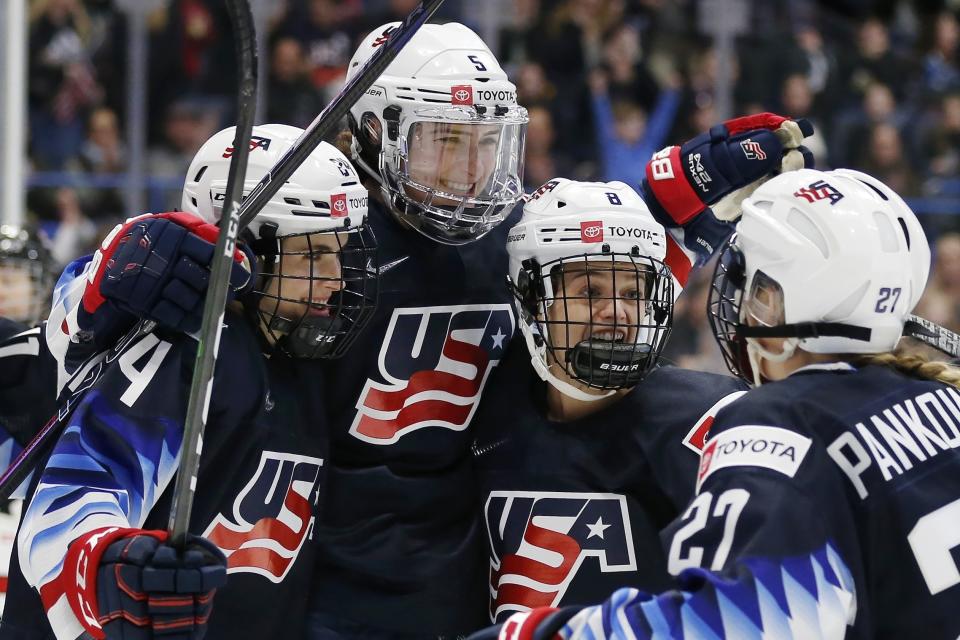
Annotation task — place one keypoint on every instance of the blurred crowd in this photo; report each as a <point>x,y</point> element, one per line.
<point>606,82</point>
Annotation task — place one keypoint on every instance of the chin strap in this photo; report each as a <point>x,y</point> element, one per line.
<point>757,353</point>
<point>531,335</point>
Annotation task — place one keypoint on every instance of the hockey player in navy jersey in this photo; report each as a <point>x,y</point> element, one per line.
<point>89,541</point>
<point>25,280</point>
<point>579,475</point>
<point>828,497</point>
<point>439,140</point>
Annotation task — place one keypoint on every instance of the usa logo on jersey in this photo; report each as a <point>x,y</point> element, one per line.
<point>540,540</point>
<point>435,361</point>
<point>272,516</point>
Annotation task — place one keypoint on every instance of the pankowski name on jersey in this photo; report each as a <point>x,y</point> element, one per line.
<point>272,516</point>
<point>435,361</point>
<point>541,539</point>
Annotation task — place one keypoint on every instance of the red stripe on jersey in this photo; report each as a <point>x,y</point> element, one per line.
<point>678,261</point>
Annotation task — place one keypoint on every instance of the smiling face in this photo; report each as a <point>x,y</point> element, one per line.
<point>454,158</point>
<point>595,302</point>
<point>308,274</point>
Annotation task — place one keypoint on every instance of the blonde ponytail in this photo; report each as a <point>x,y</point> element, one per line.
<point>914,364</point>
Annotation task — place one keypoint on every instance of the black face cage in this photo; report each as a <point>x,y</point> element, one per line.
<point>317,330</point>
<point>580,325</point>
<point>723,309</point>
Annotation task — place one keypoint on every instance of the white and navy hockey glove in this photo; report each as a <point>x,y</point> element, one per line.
<point>717,170</point>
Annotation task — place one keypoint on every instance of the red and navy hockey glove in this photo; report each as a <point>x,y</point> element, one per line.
<point>156,267</point>
<point>131,586</point>
<point>720,168</point>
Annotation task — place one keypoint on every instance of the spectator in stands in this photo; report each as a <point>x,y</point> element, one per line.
<point>103,150</point>
<point>515,35</point>
<point>62,80</point>
<point>884,159</point>
<point>540,164</point>
<point>291,97</point>
<point>875,61</point>
<point>796,98</point>
<point>628,77</point>
<point>187,125</point>
<point>327,36</point>
<point>75,234</point>
<point>941,145</point>
<point>941,66</point>
<point>626,138</point>
<point>941,299</point>
<point>103,153</point>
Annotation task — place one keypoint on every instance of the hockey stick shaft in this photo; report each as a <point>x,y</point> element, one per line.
<point>335,111</point>
<point>322,125</point>
<point>215,302</point>
<point>932,334</point>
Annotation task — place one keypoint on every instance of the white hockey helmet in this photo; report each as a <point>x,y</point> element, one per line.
<point>599,230</point>
<point>834,261</point>
<point>441,132</point>
<point>324,195</point>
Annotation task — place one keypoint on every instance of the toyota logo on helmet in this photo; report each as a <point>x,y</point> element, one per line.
<point>591,231</point>
<point>338,204</point>
<point>461,94</point>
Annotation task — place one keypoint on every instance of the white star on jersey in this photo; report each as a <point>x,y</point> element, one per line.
<point>597,528</point>
<point>498,339</point>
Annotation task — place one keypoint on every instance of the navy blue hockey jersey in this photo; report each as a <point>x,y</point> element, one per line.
<point>573,510</point>
<point>831,503</point>
<point>28,385</point>
<point>402,540</point>
<point>402,546</point>
<point>261,473</point>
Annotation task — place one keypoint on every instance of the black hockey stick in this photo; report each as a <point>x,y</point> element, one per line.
<point>234,220</point>
<point>333,112</point>
<point>208,340</point>
<point>88,374</point>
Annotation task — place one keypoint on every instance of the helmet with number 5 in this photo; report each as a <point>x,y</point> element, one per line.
<point>318,282</point>
<point>833,261</point>
<point>441,132</point>
<point>590,285</point>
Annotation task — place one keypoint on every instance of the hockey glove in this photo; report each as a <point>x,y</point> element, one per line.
<point>541,623</point>
<point>155,267</point>
<point>722,167</point>
<point>132,586</point>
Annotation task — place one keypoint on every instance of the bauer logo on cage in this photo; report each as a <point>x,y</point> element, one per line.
<point>434,362</point>
<point>541,539</point>
<point>272,516</point>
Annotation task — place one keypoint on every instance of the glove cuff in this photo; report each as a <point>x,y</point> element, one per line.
<point>78,578</point>
<point>671,188</point>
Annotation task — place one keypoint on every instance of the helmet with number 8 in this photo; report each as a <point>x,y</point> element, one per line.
<point>318,282</point>
<point>441,132</point>
<point>833,261</point>
<point>590,285</point>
